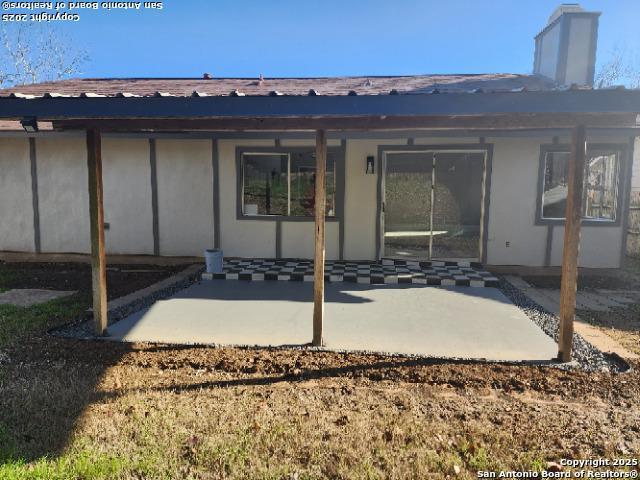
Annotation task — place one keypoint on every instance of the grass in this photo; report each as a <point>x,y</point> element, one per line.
<point>83,464</point>
<point>231,436</point>
<point>18,322</point>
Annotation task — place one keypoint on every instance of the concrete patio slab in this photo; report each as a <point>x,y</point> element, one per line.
<point>454,322</point>
<point>26,297</point>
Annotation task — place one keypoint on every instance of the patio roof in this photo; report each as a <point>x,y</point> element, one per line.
<point>499,110</point>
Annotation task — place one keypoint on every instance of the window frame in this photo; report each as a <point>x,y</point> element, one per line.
<point>337,152</point>
<point>620,149</point>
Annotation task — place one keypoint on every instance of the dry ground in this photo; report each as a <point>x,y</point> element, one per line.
<point>622,323</point>
<point>77,409</point>
<point>103,410</point>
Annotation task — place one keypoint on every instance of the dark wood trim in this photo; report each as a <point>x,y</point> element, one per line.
<point>570,252</point>
<point>96,216</point>
<point>153,164</point>
<point>215,165</point>
<point>549,246</point>
<point>340,196</point>
<point>513,121</point>
<point>279,239</point>
<point>35,202</point>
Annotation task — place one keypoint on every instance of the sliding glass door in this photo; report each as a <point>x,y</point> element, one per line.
<point>432,204</point>
<point>407,204</point>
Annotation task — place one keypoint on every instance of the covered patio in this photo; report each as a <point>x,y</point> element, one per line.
<point>566,111</point>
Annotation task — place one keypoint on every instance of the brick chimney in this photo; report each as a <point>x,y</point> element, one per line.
<point>566,47</point>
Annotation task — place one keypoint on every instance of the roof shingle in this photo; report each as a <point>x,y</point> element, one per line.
<point>365,85</point>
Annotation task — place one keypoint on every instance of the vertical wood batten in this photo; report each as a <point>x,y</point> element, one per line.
<point>320,207</point>
<point>571,248</point>
<point>96,218</point>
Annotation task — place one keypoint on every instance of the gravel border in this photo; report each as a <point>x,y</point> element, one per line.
<point>586,356</point>
<point>83,329</point>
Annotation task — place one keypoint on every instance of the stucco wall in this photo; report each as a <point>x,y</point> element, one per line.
<point>127,196</point>
<point>185,201</point>
<point>298,240</point>
<point>16,210</point>
<point>513,238</point>
<point>185,196</point>
<point>599,246</point>
<point>63,194</point>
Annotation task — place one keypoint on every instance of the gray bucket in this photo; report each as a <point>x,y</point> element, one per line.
<point>213,259</point>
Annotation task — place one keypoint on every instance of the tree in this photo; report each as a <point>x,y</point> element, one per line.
<point>620,69</point>
<point>33,53</point>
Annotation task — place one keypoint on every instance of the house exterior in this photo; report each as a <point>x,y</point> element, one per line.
<point>464,189</point>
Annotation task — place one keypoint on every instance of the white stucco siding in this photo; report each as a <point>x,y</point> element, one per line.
<point>185,196</point>
<point>513,237</point>
<point>241,238</point>
<point>298,240</point>
<point>16,206</point>
<point>599,246</point>
<point>127,196</point>
<point>361,203</point>
<point>63,195</point>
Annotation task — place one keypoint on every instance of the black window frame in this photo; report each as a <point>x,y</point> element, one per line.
<point>337,152</point>
<point>620,149</point>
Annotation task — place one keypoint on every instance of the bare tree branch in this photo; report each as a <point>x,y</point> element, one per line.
<point>620,69</point>
<point>33,53</point>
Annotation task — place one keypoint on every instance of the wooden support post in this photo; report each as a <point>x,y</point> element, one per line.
<point>96,218</point>
<point>573,216</point>
<point>320,207</point>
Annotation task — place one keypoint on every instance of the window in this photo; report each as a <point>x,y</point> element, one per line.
<point>601,173</point>
<point>265,184</point>
<point>283,184</point>
<point>601,187</point>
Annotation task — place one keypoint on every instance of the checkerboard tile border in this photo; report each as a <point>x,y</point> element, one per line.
<point>388,271</point>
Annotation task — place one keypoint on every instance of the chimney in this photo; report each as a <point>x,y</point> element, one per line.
<point>566,47</point>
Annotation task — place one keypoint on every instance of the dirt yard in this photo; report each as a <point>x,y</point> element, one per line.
<point>101,410</point>
<point>79,409</point>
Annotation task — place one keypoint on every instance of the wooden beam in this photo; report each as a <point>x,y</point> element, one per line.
<point>513,121</point>
<point>318,266</point>
<point>96,217</point>
<point>573,216</point>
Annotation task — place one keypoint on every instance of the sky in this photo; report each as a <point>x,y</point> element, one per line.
<point>331,37</point>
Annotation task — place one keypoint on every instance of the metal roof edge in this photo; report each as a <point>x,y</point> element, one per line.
<point>566,101</point>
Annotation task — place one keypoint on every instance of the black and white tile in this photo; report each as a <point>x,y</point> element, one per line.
<point>388,271</point>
